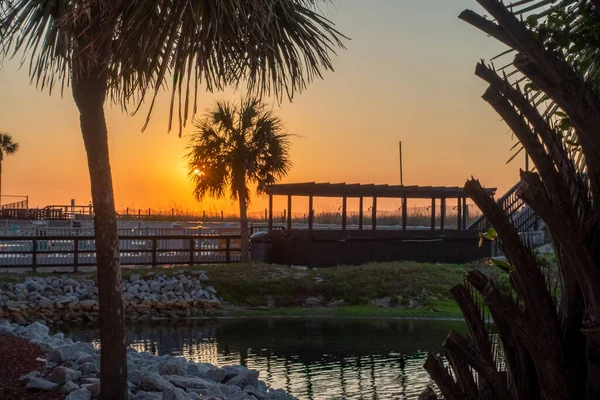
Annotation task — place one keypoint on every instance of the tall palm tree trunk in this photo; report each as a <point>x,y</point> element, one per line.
<point>244,234</point>
<point>89,95</point>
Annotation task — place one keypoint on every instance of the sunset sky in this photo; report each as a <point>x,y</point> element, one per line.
<point>407,75</point>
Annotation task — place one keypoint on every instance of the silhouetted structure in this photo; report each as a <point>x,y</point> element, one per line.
<point>322,248</point>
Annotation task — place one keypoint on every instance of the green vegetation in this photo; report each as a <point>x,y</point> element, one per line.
<point>252,285</point>
<point>393,289</point>
<point>439,309</point>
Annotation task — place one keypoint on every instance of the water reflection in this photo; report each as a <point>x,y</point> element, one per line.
<point>310,358</point>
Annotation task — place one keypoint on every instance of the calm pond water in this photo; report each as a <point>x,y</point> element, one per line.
<point>312,359</point>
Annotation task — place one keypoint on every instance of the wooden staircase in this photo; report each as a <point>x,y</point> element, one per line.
<point>521,215</point>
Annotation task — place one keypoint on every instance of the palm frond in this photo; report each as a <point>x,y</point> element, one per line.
<point>570,28</point>
<point>273,46</point>
<point>7,145</point>
<point>235,145</point>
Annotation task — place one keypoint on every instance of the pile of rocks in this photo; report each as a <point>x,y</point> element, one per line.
<point>61,299</point>
<point>73,368</point>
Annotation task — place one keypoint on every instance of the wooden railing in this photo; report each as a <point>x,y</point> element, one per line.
<point>80,251</point>
<point>17,205</point>
<point>521,215</point>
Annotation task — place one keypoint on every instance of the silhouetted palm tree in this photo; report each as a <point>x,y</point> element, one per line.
<point>235,145</point>
<point>124,50</point>
<point>546,338</point>
<point>7,148</point>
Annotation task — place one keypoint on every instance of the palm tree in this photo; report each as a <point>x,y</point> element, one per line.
<point>124,51</point>
<point>546,340</point>
<point>235,145</point>
<point>7,148</point>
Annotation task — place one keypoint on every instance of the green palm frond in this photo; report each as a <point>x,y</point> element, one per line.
<point>273,46</point>
<point>571,28</point>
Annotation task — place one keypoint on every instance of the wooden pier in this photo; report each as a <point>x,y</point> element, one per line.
<point>439,243</point>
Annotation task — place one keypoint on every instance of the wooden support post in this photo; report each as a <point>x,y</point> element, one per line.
<point>344,212</point>
<point>227,251</point>
<point>311,215</point>
<point>404,212</point>
<point>270,212</point>
<point>34,244</point>
<point>433,214</point>
<point>360,214</point>
<point>289,213</point>
<point>192,249</point>
<point>465,213</point>
<point>374,214</point>
<point>442,212</point>
<point>154,248</point>
<point>75,255</point>
<point>459,214</point>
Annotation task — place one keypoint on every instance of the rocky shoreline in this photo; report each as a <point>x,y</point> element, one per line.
<point>73,368</point>
<point>61,299</point>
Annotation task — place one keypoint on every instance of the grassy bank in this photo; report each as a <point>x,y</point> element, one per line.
<point>395,289</point>
<point>257,285</point>
<point>439,309</point>
<point>401,289</point>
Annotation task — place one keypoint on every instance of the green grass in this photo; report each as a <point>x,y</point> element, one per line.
<point>440,309</point>
<point>255,285</point>
<point>415,289</point>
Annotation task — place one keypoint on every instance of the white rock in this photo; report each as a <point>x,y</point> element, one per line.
<point>30,376</point>
<point>41,384</point>
<point>187,382</point>
<point>177,394</point>
<point>141,395</point>
<point>62,375</point>
<point>154,382</point>
<point>70,387</point>
<point>79,394</point>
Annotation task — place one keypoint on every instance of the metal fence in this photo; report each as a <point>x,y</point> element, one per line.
<point>145,250</point>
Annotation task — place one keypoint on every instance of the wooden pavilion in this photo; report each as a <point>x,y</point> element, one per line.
<point>346,246</point>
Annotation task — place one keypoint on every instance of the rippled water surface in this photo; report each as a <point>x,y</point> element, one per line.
<point>309,358</point>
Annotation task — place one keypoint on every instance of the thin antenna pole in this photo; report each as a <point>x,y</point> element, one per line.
<point>400,151</point>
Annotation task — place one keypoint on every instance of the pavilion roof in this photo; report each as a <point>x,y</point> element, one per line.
<point>327,189</point>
